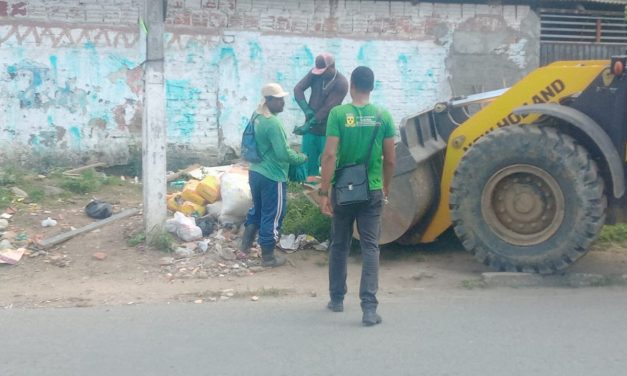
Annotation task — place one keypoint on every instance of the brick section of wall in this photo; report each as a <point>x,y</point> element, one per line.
<point>78,92</point>
<point>396,19</point>
<point>108,12</point>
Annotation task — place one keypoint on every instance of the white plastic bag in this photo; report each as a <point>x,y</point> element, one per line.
<point>184,227</point>
<point>236,198</point>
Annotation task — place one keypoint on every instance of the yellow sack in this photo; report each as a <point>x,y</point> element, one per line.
<point>189,193</point>
<point>209,189</point>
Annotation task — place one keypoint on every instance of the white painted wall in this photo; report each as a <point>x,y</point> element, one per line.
<point>70,82</point>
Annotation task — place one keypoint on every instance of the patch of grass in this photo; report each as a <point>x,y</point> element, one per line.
<point>294,188</point>
<point>136,240</point>
<point>113,180</point>
<point>10,175</point>
<point>303,217</point>
<point>161,240</point>
<point>613,234</point>
<point>35,194</point>
<point>88,181</point>
<point>6,197</point>
<point>13,176</point>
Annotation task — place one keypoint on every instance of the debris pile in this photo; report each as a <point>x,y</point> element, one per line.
<point>209,210</point>
<point>221,193</point>
<point>213,256</point>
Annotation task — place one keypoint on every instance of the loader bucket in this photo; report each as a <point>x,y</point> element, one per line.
<point>414,191</point>
<point>411,196</point>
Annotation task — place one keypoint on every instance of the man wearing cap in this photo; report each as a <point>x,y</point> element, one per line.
<point>328,89</point>
<point>268,178</point>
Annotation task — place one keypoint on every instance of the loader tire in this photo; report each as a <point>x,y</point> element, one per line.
<point>527,199</point>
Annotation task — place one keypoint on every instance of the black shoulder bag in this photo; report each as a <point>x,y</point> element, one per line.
<point>351,181</point>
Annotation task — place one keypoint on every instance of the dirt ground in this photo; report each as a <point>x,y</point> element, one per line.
<point>68,275</point>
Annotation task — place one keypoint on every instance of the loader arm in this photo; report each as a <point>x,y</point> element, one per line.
<point>548,84</point>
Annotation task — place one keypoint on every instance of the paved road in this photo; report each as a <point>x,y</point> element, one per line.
<point>460,332</point>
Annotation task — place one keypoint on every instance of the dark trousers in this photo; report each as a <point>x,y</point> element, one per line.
<point>368,217</point>
<point>269,200</point>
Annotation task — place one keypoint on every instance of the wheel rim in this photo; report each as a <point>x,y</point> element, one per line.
<point>523,204</point>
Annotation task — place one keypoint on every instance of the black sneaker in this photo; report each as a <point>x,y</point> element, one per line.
<point>336,306</point>
<point>371,318</point>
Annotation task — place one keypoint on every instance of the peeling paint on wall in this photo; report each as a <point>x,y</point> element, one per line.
<point>182,102</point>
<point>77,90</point>
<point>55,98</point>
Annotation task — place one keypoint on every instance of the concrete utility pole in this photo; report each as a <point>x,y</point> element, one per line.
<point>153,122</point>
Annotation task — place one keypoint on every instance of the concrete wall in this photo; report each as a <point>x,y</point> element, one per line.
<point>71,84</point>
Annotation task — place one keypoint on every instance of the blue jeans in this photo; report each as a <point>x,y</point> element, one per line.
<point>269,202</point>
<point>368,217</point>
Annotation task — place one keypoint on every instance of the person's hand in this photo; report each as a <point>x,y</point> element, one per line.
<point>307,110</point>
<point>386,194</point>
<point>305,127</point>
<point>300,130</point>
<point>325,206</point>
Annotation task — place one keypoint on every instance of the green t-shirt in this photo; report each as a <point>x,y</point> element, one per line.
<point>273,147</point>
<point>354,126</point>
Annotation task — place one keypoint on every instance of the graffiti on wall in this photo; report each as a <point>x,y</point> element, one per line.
<point>81,99</point>
<point>12,9</point>
<point>37,89</point>
<point>80,88</point>
<point>214,85</point>
<point>181,106</point>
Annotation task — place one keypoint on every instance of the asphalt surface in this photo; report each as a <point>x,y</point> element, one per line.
<point>451,332</point>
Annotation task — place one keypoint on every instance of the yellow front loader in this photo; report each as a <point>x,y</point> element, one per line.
<point>524,175</point>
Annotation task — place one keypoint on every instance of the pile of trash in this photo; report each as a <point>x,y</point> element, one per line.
<point>12,245</point>
<point>213,256</point>
<point>208,215</point>
<point>220,193</point>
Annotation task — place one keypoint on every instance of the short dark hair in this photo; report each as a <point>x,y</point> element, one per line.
<point>362,79</point>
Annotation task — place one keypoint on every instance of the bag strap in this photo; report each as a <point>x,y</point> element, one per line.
<point>374,136</point>
<point>252,120</point>
<point>254,116</point>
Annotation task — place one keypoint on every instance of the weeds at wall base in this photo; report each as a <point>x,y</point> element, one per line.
<point>161,240</point>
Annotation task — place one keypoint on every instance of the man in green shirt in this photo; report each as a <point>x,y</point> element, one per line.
<point>349,133</point>
<point>268,178</point>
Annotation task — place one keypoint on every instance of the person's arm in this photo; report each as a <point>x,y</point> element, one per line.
<point>280,146</point>
<point>389,162</point>
<point>328,163</point>
<point>389,152</point>
<point>299,95</point>
<point>329,157</point>
<point>335,97</point>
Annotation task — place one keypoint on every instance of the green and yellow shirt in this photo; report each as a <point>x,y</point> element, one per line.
<point>354,125</point>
